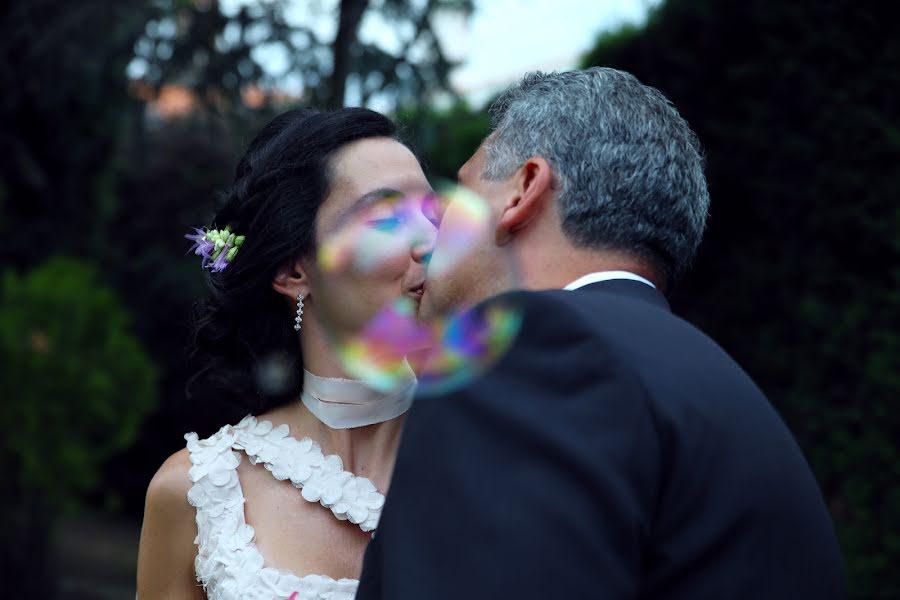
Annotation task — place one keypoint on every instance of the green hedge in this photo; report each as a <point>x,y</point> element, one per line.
<point>75,382</point>
<point>798,107</point>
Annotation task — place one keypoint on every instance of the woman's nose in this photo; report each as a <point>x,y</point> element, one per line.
<point>423,240</point>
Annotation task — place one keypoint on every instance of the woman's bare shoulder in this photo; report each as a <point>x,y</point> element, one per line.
<point>167,551</point>
<point>170,485</point>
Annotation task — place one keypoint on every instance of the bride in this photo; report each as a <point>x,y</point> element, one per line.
<point>283,503</point>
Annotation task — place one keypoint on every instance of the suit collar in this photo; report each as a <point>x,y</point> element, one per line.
<point>630,289</point>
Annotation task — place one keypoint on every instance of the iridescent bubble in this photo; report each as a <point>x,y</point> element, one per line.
<point>447,351</point>
<point>465,345</point>
<point>470,222</point>
<point>381,353</point>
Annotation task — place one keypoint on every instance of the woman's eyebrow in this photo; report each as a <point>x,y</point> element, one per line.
<point>372,197</point>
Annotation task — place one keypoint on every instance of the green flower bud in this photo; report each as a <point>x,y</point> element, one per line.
<point>220,243</point>
<point>239,240</point>
<point>231,254</point>
<point>230,240</point>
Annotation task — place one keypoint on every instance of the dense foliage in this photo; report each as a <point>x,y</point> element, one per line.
<point>798,107</point>
<point>75,381</point>
<point>64,111</point>
<point>214,49</point>
<point>76,384</point>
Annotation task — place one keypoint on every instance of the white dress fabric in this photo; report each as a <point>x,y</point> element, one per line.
<point>228,563</point>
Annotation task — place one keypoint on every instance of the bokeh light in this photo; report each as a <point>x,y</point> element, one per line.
<point>275,374</point>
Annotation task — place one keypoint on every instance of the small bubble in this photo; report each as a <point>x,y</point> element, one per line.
<point>276,374</point>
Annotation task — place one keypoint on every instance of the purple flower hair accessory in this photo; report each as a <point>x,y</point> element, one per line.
<point>217,247</point>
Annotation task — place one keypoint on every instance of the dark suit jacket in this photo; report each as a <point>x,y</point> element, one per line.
<point>614,452</point>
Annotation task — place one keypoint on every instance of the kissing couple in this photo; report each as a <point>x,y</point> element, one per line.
<point>612,451</point>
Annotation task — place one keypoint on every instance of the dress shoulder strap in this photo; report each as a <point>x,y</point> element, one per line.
<point>320,478</point>
<point>217,496</point>
<point>213,471</point>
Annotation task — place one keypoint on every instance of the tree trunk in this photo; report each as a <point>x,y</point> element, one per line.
<point>351,12</point>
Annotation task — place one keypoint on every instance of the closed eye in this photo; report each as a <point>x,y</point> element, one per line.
<point>386,223</point>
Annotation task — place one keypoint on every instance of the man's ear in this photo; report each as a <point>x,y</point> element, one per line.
<point>533,183</point>
<point>291,280</point>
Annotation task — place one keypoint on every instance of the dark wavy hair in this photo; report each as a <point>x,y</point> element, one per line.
<point>279,185</point>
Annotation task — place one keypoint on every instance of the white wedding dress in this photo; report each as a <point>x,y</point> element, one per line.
<point>228,563</point>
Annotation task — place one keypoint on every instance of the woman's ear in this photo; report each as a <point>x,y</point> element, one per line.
<point>532,182</point>
<point>291,280</point>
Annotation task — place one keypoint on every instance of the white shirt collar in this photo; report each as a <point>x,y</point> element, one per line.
<point>605,276</point>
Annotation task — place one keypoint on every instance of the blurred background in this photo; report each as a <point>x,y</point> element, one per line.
<point>119,121</point>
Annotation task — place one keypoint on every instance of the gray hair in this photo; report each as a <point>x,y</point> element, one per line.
<point>628,168</point>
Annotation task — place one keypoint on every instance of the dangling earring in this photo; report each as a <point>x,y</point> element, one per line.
<point>299,318</point>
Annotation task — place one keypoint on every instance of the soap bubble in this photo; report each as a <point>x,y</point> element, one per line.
<point>446,351</point>
<point>275,374</point>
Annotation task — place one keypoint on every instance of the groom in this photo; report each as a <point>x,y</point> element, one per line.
<point>615,451</point>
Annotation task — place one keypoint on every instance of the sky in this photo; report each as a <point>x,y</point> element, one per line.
<point>506,38</point>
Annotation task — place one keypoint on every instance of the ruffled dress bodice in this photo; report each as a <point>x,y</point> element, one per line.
<point>228,563</point>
